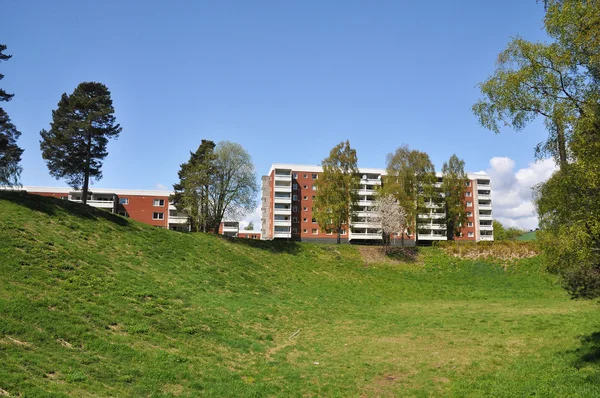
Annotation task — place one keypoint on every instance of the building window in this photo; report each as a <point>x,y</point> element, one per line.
<point>294,186</point>
<point>330,232</point>
<point>305,208</point>
<point>469,204</point>
<point>315,231</point>
<point>313,197</point>
<point>123,201</point>
<point>468,194</point>
<point>460,235</point>
<point>295,230</point>
<point>158,216</point>
<point>294,197</point>
<point>64,197</point>
<point>469,214</point>
<point>469,224</point>
<point>159,202</point>
<point>294,219</point>
<point>468,183</point>
<point>123,213</point>
<point>305,198</point>
<point>305,187</point>
<point>470,234</point>
<point>305,231</point>
<point>314,220</point>
<point>305,219</point>
<point>305,175</point>
<point>295,208</point>
<point>314,176</point>
<point>343,232</point>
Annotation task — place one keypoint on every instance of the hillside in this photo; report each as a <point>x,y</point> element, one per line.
<point>95,304</point>
<point>532,235</point>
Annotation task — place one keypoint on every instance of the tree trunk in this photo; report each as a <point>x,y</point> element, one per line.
<point>339,235</point>
<point>562,149</point>
<point>86,176</point>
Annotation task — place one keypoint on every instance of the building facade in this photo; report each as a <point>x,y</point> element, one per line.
<point>288,193</point>
<point>151,207</point>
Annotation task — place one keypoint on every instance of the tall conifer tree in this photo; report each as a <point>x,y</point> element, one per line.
<point>10,153</point>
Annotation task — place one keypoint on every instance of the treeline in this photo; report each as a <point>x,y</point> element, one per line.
<point>409,188</point>
<point>559,82</point>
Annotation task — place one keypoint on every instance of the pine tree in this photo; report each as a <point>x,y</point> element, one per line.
<point>75,145</point>
<point>10,153</point>
<point>337,189</point>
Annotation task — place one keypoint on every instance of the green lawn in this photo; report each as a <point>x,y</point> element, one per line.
<point>94,304</point>
<point>532,235</point>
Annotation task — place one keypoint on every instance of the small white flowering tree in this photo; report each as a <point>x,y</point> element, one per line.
<point>391,216</point>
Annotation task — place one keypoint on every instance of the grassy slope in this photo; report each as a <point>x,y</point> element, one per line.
<point>92,303</point>
<point>528,236</point>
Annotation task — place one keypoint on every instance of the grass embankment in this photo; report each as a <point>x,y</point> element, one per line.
<point>532,235</point>
<point>93,304</point>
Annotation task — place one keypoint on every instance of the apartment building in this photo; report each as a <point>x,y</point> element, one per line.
<point>288,192</point>
<point>151,207</point>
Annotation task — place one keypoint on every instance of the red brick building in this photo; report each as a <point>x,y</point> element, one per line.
<point>288,192</point>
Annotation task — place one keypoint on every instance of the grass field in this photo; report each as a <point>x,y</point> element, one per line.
<point>532,235</point>
<point>94,304</point>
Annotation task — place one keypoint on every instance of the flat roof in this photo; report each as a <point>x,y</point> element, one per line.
<point>134,192</point>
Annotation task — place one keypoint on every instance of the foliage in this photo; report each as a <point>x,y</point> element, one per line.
<point>191,192</point>
<point>233,185</point>
<point>93,304</point>
<point>10,153</point>
<point>411,180</point>
<point>505,252</point>
<point>75,145</point>
<point>559,81</point>
<point>454,186</point>
<point>336,199</point>
<point>249,227</point>
<point>501,233</point>
<point>391,216</point>
<point>218,181</point>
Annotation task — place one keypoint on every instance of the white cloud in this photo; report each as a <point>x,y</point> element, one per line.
<point>161,187</point>
<point>512,191</point>
<point>254,217</point>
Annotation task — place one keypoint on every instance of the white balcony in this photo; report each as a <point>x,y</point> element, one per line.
<point>485,206</point>
<point>285,212</point>
<point>486,227</point>
<point>483,186</point>
<point>366,202</point>
<point>486,237</point>
<point>484,196</point>
<point>485,217</point>
<point>178,220</point>
<point>282,223</point>
<point>366,224</point>
<point>369,236</point>
<point>282,235</point>
<point>282,199</point>
<point>437,227</point>
<point>101,204</point>
<point>370,181</point>
<point>283,188</point>
<point>431,237</point>
<point>431,205</point>
<point>432,215</point>
<point>366,192</point>
<point>283,177</point>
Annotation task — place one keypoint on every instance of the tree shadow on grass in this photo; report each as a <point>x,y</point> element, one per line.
<point>52,206</point>
<point>274,246</point>
<point>589,352</point>
<point>402,254</point>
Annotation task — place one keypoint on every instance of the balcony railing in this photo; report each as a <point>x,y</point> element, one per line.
<point>178,220</point>
<point>486,227</point>
<point>485,206</point>
<point>283,177</point>
<point>282,211</point>
<point>431,237</point>
<point>282,223</point>
<point>484,196</point>
<point>283,188</point>
<point>486,237</point>
<point>102,204</point>
<point>371,236</point>
<point>282,199</point>
<point>485,217</point>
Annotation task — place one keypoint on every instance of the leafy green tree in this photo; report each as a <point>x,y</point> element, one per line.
<point>10,153</point>
<point>411,180</point>
<point>560,81</point>
<point>336,201</point>
<point>454,186</point>
<point>249,227</point>
<point>233,189</point>
<point>499,230</point>
<point>75,145</point>
<point>191,192</point>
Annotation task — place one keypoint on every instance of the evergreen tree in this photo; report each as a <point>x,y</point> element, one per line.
<point>337,189</point>
<point>75,145</point>
<point>191,192</point>
<point>454,186</point>
<point>10,153</point>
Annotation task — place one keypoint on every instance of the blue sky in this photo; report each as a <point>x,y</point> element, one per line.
<point>287,80</point>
